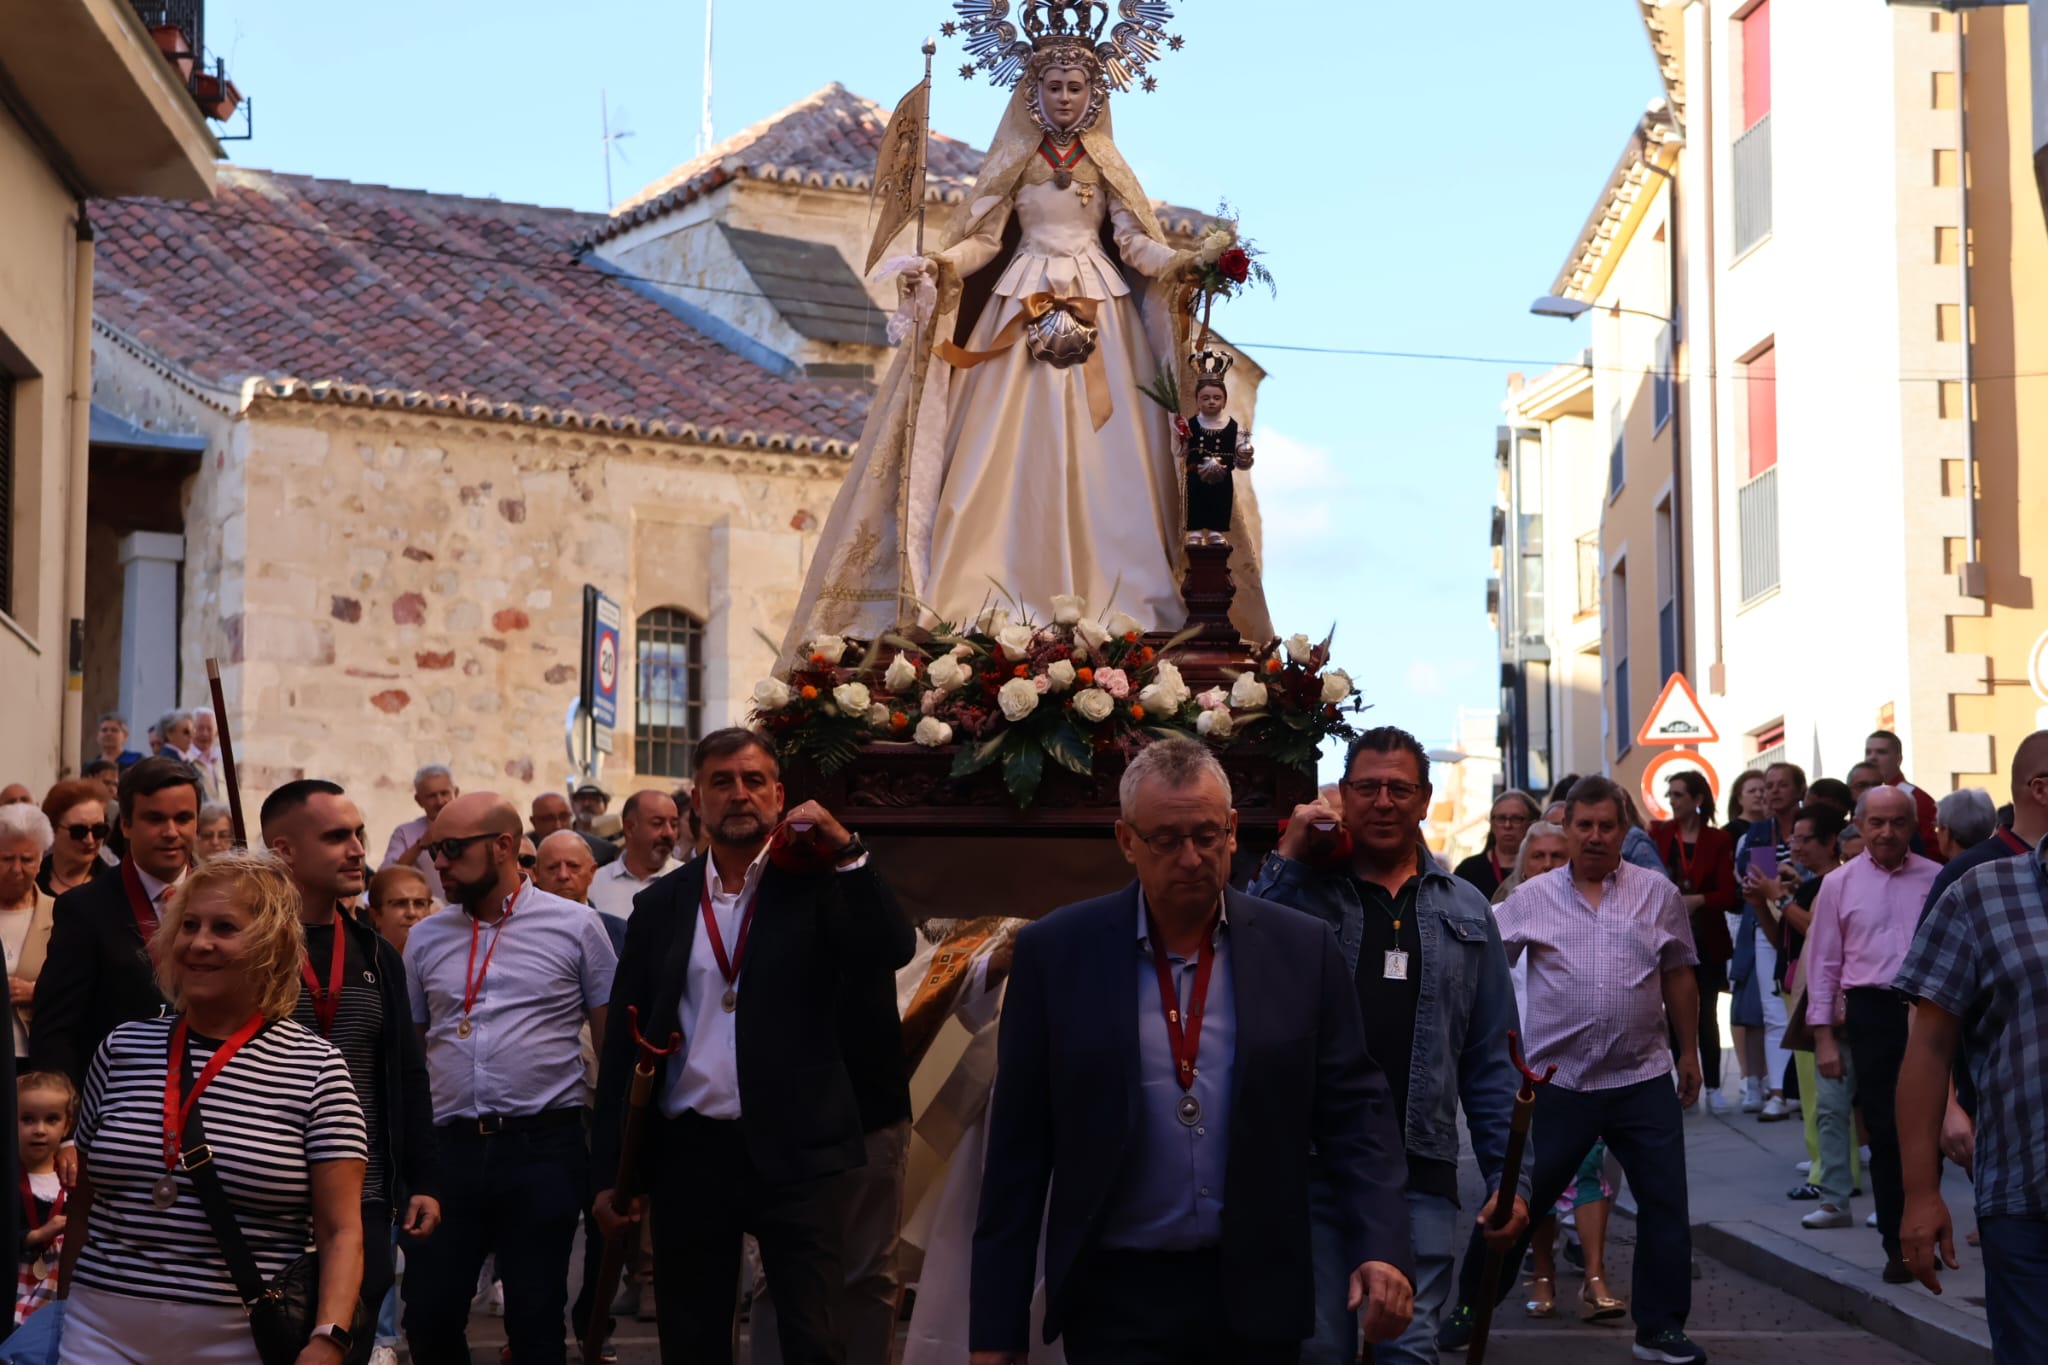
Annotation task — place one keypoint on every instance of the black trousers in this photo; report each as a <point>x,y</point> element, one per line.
<point>1644,1128</point>
<point>516,1195</point>
<point>1159,1308</point>
<point>378,1274</point>
<point>707,1197</point>
<point>1877,1022</point>
<point>1713,979</point>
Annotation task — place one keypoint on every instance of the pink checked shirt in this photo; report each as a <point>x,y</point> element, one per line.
<point>1863,923</point>
<point>1596,988</point>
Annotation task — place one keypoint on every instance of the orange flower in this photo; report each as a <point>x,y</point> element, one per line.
<point>809,693</point>
<point>1085,675</point>
<point>1137,711</point>
<point>1021,671</point>
<point>1147,654</point>
<point>1273,664</point>
<point>898,721</point>
<point>1130,637</point>
<point>818,661</point>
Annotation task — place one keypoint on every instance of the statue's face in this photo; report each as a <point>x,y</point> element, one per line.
<point>1212,399</point>
<point>1063,96</point>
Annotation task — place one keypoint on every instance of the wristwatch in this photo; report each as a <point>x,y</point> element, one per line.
<point>343,1339</point>
<point>853,850</point>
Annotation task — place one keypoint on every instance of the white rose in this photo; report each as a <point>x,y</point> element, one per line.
<point>1015,640</point>
<point>1060,674</point>
<point>1018,698</point>
<point>946,672</point>
<point>1336,686</point>
<point>878,716</point>
<point>992,620</point>
<point>1092,704</point>
<point>932,732</point>
<point>902,673</point>
<point>1212,699</point>
<point>1165,693</point>
<point>1215,724</point>
<point>1123,623</point>
<point>771,694</point>
<point>1300,648</point>
<point>1247,693</point>
<point>1168,677</point>
<point>831,648</point>
<point>1091,633</point>
<point>1068,611</point>
<point>851,698</point>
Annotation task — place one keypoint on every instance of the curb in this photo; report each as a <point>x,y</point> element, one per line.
<point>1907,1316</point>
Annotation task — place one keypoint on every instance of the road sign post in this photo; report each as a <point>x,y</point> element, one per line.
<point>602,620</point>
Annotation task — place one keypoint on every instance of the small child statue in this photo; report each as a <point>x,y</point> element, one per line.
<point>1211,446</point>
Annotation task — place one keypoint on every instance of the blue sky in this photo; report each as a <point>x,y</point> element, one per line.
<point>1414,172</point>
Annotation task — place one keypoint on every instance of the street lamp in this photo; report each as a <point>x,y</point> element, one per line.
<point>1557,306</point>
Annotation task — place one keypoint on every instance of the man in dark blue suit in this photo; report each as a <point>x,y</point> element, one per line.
<point>1169,1057</point>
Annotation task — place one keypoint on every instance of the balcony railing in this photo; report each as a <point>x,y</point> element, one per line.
<point>1753,185</point>
<point>187,16</point>
<point>1756,510</point>
<point>1589,575</point>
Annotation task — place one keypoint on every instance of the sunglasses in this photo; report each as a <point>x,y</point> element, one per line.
<point>451,849</point>
<point>528,861</point>
<point>80,833</point>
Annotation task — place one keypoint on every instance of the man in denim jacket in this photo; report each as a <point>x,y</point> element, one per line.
<point>1434,990</point>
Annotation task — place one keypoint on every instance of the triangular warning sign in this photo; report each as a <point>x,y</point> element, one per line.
<point>1678,717</point>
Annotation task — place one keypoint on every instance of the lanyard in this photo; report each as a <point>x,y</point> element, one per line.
<point>327,998</point>
<point>729,968</point>
<point>178,1113</point>
<point>139,905</point>
<point>2013,841</point>
<point>1184,1044</point>
<point>472,975</point>
<point>30,1222</point>
<point>1687,863</point>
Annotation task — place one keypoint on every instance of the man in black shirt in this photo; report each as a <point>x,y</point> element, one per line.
<point>354,996</point>
<point>1433,988</point>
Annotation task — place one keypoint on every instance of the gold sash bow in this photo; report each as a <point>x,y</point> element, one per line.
<point>1036,306</point>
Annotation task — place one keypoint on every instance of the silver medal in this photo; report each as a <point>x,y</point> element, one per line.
<point>164,1192</point>
<point>1188,1111</point>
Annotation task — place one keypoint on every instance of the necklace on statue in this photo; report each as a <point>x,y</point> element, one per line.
<point>1063,160</point>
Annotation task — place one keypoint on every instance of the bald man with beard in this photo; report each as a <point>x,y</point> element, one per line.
<point>501,986</point>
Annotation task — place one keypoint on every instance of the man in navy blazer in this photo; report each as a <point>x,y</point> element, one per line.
<point>1169,1057</point>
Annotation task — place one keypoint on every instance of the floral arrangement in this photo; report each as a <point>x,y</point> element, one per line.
<point>1225,262</point>
<point>1017,694</point>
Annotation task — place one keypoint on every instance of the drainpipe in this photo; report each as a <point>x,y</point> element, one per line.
<point>1678,535</point>
<point>72,728</point>
<point>1972,578</point>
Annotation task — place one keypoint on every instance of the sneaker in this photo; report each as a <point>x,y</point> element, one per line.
<point>1827,1216</point>
<point>1717,1103</point>
<point>1803,1167</point>
<point>1895,1272</point>
<point>608,1354</point>
<point>1752,1095</point>
<point>1774,1110</point>
<point>1456,1332</point>
<point>1871,1221</point>
<point>1803,1192</point>
<point>384,1355</point>
<point>1670,1346</point>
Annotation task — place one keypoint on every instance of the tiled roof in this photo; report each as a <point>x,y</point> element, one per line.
<point>363,293</point>
<point>829,140</point>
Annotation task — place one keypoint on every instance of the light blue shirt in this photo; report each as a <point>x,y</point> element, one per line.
<point>1171,1198</point>
<point>552,965</point>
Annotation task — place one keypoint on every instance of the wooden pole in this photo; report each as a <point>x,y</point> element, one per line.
<point>632,1139</point>
<point>227,753</point>
<point>1504,1202</point>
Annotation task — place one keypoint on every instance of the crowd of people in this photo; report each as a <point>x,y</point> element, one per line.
<point>238,1067</point>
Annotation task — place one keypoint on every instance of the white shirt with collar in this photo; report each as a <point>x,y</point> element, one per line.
<point>613,888</point>
<point>705,1075</point>
<point>158,892</point>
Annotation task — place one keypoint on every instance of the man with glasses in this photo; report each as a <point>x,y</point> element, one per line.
<point>1153,1042</point>
<point>501,993</point>
<point>1863,920</point>
<point>1432,983</point>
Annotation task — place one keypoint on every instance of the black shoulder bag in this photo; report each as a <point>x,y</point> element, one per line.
<point>282,1314</point>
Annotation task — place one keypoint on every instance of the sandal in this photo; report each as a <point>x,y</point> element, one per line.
<point>1596,1304</point>
<point>1542,1298</point>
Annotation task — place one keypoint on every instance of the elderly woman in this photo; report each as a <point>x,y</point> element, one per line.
<point>1963,819</point>
<point>77,812</point>
<point>1507,824</point>
<point>146,1278</point>
<point>216,831</point>
<point>24,912</point>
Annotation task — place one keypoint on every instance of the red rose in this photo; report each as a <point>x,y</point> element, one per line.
<point>1235,265</point>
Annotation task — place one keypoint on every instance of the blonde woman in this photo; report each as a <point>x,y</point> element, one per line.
<point>146,1279</point>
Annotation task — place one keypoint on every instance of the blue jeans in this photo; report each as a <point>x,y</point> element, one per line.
<point>1433,1223</point>
<point>387,1315</point>
<point>2015,1286</point>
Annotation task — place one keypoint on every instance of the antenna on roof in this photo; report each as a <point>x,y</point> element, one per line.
<point>705,139</point>
<point>611,144</point>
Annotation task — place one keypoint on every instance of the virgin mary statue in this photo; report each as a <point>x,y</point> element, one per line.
<point>1019,458</point>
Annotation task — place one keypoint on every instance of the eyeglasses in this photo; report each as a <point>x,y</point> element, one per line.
<point>1369,788</point>
<point>1510,820</point>
<point>528,860</point>
<point>451,849</point>
<point>1167,842</point>
<point>80,833</point>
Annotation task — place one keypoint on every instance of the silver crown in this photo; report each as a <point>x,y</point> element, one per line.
<point>1210,364</point>
<point>1002,46</point>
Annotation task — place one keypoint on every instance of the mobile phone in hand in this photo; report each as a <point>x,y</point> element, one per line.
<point>1761,861</point>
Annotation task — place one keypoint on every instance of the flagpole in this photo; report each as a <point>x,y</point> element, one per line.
<point>919,364</point>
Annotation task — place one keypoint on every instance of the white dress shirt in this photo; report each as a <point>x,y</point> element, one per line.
<point>613,888</point>
<point>705,1075</point>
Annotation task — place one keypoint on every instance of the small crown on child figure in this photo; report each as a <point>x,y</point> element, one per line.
<point>1212,364</point>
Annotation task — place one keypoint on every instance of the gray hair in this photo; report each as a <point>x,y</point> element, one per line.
<point>211,811</point>
<point>1540,829</point>
<point>431,770</point>
<point>1969,815</point>
<point>170,718</point>
<point>1179,762</point>
<point>23,820</point>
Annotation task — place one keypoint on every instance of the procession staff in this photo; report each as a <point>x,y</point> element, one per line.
<point>501,993</point>
<point>748,951</point>
<point>355,997</point>
<point>98,974</point>
<point>1169,1056</point>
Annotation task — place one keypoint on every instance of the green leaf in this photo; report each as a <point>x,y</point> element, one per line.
<point>1069,750</point>
<point>1022,770</point>
<point>972,758</point>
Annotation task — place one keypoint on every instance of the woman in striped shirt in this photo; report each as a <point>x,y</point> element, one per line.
<point>147,1280</point>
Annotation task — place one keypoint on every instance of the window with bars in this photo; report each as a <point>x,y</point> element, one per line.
<point>669,702</point>
<point>6,494</point>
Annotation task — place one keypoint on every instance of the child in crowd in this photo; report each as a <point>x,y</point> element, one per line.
<point>48,1105</point>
